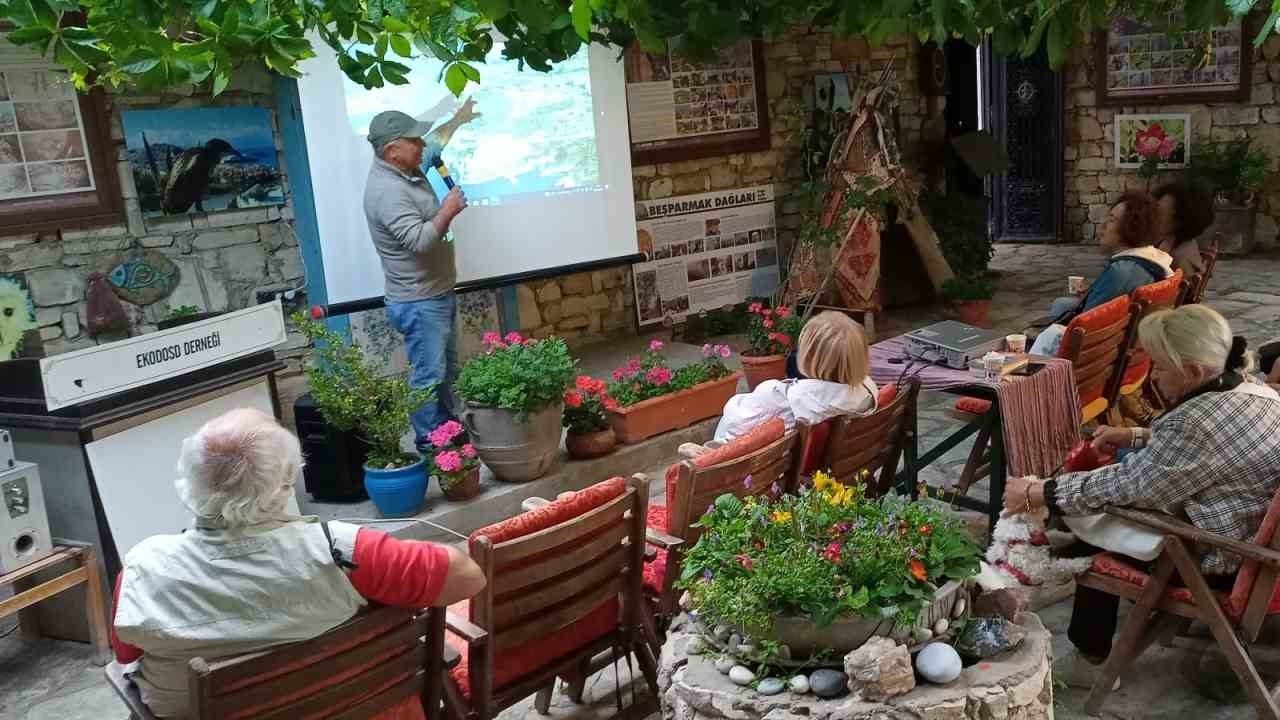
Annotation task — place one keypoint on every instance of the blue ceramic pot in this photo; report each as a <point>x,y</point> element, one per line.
<point>398,492</point>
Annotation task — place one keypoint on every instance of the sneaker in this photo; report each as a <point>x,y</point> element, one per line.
<point>1078,671</point>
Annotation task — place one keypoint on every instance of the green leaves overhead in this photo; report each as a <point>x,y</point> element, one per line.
<point>160,43</point>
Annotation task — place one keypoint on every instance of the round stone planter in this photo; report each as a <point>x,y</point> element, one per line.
<point>1014,684</point>
<point>515,449</point>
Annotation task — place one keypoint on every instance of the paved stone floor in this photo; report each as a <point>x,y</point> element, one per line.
<point>49,680</point>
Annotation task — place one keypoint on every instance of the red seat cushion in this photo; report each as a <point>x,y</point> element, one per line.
<point>1094,320</point>
<point>974,405</point>
<point>1136,372</point>
<point>655,570</point>
<point>887,394</point>
<point>514,663</point>
<point>1233,603</point>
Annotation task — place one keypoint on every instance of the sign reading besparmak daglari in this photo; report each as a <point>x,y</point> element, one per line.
<point>97,372</point>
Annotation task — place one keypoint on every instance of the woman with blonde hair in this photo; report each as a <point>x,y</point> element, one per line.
<point>1213,457</point>
<point>833,357</point>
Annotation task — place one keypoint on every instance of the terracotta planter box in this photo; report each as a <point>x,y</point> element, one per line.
<point>763,367</point>
<point>974,312</point>
<point>669,412</point>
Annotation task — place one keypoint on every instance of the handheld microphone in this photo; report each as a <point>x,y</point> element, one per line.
<point>440,167</point>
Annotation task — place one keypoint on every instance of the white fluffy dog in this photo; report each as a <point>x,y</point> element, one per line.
<point>1020,554</point>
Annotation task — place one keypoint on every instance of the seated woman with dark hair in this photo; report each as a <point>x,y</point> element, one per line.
<point>1126,238</point>
<point>1184,210</point>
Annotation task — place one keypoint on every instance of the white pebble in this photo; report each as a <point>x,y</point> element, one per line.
<point>740,675</point>
<point>923,635</point>
<point>960,607</point>
<point>799,684</point>
<point>941,627</point>
<point>938,663</point>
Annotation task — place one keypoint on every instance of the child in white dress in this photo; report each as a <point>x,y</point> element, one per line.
<point>834,360</point>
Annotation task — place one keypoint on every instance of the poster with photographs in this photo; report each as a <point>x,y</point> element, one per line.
<point>1140,62</point>
<point>42,141</point>
<point>704,252</point>
<point>695,108</point>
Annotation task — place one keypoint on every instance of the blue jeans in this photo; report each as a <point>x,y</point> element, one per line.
<point>429,339</point>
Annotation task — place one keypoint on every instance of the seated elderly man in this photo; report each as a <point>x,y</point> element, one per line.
<point>248,576</point>
<point>1213,457</point>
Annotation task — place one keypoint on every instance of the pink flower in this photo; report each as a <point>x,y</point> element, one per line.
<point>618,375</point>
<point>655,345</point>
<point>706,351</point>
<point>1166,148</point>
<point>766,312</point>
<point>783,311</point>
<point>633,367</point>
<point>744,561</point>
<point>449,461</point>
<point>725,351</point>
<point>492,338</point>
<point>832,551</point>
<point>754,307</point>
<point>468,450</point>
<point>1147,142</point>
<point>658,375</point>
<point>767,323</point>
<point>514,338</point>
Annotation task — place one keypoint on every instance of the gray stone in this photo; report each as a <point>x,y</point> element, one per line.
<point>725,663</point>
<point>231,218</point>
<point>987,637</point>
<point>96,233</point>
<point>941,627</point>
<point>741,675</point>
<point>48,316</point>
<point>798,684</point>
<point>243,263</point>
<point>289,261</point>
<point>828,683</point>
<point>156,241</point>
<point>879,670</point>
<point>922,635</point>
<point>274,235</point>
<point>70,324</point>
<point>55,286</point>
<point>213,239</point>
<point>939,663</point>
<point>50,333</point>
<point>30,256</point>
<point>1235,115</point>
<point>695,646</point>
<point>13,241</point>
<point>721,633</point>
<point>770,686</point>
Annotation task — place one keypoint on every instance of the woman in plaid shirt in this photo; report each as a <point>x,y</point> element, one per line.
<point>1213,458</point>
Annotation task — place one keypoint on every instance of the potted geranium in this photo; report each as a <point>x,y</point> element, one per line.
<point>586,415</point>
<point>654,398</point>
<point>771,333</point>
<point>353,396</point>
<point>971,296</point>
<point>513,395</point>
<point>824,570</point>
<point>453,461</point>
<point>1235,171</point>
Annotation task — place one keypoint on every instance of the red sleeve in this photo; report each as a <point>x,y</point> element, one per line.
<point>125,653</point>
<point>399,573</point>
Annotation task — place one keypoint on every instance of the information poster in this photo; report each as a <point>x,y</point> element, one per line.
<point>670,96</point>
<point>704,252</point>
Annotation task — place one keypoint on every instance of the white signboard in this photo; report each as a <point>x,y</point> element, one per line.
<point>704,252</point>
<point>97,372</point>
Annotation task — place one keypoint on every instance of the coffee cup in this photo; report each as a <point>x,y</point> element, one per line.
<point>1016,343</point>
<point>1075,284</point>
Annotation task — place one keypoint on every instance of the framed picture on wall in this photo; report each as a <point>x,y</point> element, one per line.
<point>1139,64</point>
<point>1167,137</point>
<point>680,109</point>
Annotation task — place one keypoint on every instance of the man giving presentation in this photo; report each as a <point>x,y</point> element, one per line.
<point>409,226</point>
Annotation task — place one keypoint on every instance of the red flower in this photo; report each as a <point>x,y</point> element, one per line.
<point>610,404</point>
<point>1147,141</point>
<point>917,570</point>
<point>744,561</point>
<point>832,551</point>
<point>767,323</point>
<point>572,399</point>
<point>766,312</point>
<point>783,311</point>
<point>754,307</point>
<point>926,530</point>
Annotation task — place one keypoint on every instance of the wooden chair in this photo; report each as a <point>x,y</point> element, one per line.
<point>381,663</point>
<point>751,464</point>
<point>1235,618</point>
<point>1136,364</point>
<point>1197,284</point>
<point>845,446</point>
<point>563,586</point>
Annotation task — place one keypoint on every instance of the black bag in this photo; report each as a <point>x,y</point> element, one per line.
<point>105,313</point>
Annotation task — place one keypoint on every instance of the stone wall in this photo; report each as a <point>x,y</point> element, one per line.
<point>1093,181</point>
<point>224,257</point>
<point>589,307</point>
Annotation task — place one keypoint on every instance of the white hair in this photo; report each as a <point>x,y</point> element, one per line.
<point>1192,335</point>
<point>239,467</point>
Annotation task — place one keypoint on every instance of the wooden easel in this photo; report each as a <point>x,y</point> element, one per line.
<point>86,572</point>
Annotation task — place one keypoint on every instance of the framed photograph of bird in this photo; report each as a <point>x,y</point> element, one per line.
<point>202,159</point>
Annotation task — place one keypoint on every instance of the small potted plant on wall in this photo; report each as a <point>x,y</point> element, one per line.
<point>654,398</point>
<point>586,415</point>
<point>513,395</point>
<point>353,396</point>
<point>1236,171</point>
<point>184,315</point>
<point>453,461</point>
<point>970,295</point>
<point>771,334</point>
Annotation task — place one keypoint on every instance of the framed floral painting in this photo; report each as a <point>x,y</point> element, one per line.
<point>1164,139</point>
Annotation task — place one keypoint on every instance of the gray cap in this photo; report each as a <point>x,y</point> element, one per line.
<point>393,125</point>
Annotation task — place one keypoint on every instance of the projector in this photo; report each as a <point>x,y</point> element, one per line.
<point>24,523</point>
<point>951,343</point>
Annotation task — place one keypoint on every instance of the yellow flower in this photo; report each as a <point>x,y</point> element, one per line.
<point>781,517</point>
<point>822,481</point>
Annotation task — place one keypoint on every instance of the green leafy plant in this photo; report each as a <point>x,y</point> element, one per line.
<point>967,288</point>
<point>354,397</point>
<point>1234,168</point>
<point>961,225</point>
<point>165,43</point>
<point>771,331</point>
<point>587,405</point>
<point>183,311</point>
<point>517,374</point>
<point>650,376</point>
<point>826,553</point>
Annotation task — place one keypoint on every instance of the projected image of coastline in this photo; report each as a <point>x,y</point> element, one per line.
<point>516,132</point>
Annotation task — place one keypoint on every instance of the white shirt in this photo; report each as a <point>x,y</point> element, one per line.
<point>811,401</point>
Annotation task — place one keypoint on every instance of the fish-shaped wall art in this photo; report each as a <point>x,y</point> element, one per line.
<point>143,278</point>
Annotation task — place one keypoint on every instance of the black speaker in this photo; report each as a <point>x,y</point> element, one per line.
<point>334,461</point>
